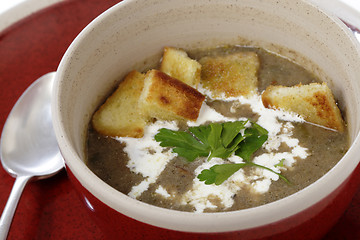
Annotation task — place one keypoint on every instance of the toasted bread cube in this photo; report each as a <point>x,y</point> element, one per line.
<point>176,63</point>
<point>233,75</point>
<point>119,116</point>
<point>168,98</point>
<point>314,102</point>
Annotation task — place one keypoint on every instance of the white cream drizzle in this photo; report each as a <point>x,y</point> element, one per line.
<point>149,159</point>
<point>146,155</point>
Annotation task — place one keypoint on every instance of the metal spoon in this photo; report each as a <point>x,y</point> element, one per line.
<point>28,145</point>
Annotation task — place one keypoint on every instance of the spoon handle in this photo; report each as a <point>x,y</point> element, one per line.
<point>11,204</point>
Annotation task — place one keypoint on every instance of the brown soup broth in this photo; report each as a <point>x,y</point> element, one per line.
<point>107,159</point>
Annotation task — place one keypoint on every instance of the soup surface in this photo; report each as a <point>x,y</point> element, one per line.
<point>300,151</point>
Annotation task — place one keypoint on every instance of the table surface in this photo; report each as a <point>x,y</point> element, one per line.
<point>50,208</point>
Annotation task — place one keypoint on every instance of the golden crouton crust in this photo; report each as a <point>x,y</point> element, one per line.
<point>176,63</point>
<point>233,75</point>
<point>314,102</point>
<point>119,116</point>
<point>168,98</point>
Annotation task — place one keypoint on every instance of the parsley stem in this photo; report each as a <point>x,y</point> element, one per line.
<point>269,169</point>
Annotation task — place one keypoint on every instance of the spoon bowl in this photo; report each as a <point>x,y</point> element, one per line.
<point>29,148</point>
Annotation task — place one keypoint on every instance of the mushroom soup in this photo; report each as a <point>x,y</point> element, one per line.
<point>241,152</point>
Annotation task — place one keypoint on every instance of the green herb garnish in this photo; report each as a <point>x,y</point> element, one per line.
<point>219,140</point>
<point>183,143</point>
<point>281,163</point>
<point>219,173</point>
<point>255,137</point>
<point>213,140</point>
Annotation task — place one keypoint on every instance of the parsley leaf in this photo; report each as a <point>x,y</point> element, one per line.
<point>219,140</point>
<point>280,164</point>
<point>184,144</point>
<point>213,140</point>
<point>255,137</point>
<point>224,138</point>
<point>231,131</point>
<point>219,173</point>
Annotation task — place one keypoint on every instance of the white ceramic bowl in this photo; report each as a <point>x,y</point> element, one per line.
<point>134,30</point>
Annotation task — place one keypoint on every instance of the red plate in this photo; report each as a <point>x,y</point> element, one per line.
<point>51,209</point>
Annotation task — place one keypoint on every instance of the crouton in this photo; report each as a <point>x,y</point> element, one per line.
<point>119,116</point>
<point>168,98</point>
<point>176,63</point>
<point>314,102</point>
<point>233,75</point>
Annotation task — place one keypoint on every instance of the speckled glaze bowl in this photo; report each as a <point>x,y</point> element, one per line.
<point>135,30</point>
